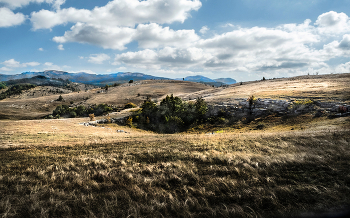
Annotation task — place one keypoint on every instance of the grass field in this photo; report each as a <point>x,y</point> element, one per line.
<point>273,166</point>
<point>48,170</point>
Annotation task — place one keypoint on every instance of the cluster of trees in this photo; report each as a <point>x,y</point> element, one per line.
<point>2,85</point>
<point>16,90</point>
<point>172,115</point>
<point>80,111</point>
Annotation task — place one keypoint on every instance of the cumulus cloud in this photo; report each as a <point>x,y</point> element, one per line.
<point>6,69</point>
<point>98,58</point>
<point>345,42</point>
<point>12,63</point>
<point>204,30</point>
<point>8,18</point>
<point>60,47</point>
<point>51,66</point>
<point>119,13</point>
<point>20,3</point>
<point>333,23</point>
<point>113,37</point>
<point>153,36</point>
<point>258,49</point>
<point>40,49</point>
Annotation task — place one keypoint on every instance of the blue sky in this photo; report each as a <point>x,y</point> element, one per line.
<point>240,39</point>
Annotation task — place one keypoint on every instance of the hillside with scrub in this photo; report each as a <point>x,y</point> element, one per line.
<point>162,148</point>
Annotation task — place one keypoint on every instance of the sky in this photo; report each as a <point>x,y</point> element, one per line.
<point>240,39</point>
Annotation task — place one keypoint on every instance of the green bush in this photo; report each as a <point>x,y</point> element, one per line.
<point>130,105</point>
<point>172,115</point>
<point>81,111</point>
<point>2,85</point>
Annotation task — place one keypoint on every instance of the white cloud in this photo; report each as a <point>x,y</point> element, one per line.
<point>6,69</point>
<point>60,47</point>
<point>32,64</point>
<point>227,25</point>
<point>204,30</point>
<point>20,3</point>
<point>98,58</point>
<point>40,49</point>
<point>108,38</point>
<point>333,23</point>
<point>51,66</point>
<point>12,63</point>
<point>153,36</point>
<point>8,18</point>
<point>119,13</point>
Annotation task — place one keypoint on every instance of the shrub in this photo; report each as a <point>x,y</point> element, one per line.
<point>72,114</point>
<point>108,118</point>
<point>92,117</point>
<point>131,81</point>
<point>129,122</point>
<point>130,105</point>
<point>81,110</point>
<point>60,98</point>
<point>71,102</point>
<point>2,85</point>
<point>260,126</point>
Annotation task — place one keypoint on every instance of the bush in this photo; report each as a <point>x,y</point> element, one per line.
<point>130,105</point>
<point>260,126</point>
<point>92,117</point>
<point>129,122</point>
<point>2,85</point>
<point>131,81</point>
<point>60,98</point>
<point>72,114</point>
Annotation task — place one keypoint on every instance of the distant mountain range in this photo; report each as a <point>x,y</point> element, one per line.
<point>103,79</point>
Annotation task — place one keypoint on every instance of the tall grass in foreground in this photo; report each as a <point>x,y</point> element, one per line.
<point>180,176</point>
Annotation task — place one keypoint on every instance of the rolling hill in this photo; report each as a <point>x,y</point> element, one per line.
<point>103,79</point>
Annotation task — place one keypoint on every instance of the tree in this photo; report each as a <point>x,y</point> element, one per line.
<point>60,98</point>
<point>2,85</point>
<point>131,81</point>
<point>251,101</point>
<point>201,108</point>
<point>106,87</point>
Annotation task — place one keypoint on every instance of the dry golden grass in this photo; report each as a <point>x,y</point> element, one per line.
<point>292,166</point>
<point>323,87</point>
<point>57,168</point>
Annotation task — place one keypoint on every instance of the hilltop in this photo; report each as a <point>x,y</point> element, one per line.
<point>104,79</point>
<point>39,101</point>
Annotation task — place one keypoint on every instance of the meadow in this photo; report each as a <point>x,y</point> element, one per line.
<point>272,166</point>
<point>48,170</point>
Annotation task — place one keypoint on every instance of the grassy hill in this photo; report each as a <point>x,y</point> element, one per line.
<point>295,166</point>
